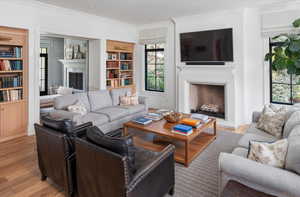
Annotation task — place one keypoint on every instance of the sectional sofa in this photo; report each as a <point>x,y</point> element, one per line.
<point>275,181</point>
<point>103,108</point>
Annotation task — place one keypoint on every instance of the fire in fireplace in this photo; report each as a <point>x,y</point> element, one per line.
<point>76,80</point>
<point>207,99</point>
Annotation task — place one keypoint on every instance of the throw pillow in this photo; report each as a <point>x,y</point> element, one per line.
<point>272,121</point>
<point>273,154</point>
<point>78,107</point>
<point>129,100</point>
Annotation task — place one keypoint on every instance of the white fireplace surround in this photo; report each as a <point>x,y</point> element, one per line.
<point>77,66</point>
<point>211,76</point>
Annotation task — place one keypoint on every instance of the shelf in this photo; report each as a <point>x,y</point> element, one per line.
<point>125,70</point>
<point>11,71</point>
<point>126,60</point>
<point>112,60</point>
<point>10,58</point>
<point>112,68</point>
<point>11,102</point>
<point>113,79</point>
<point>13,88</point>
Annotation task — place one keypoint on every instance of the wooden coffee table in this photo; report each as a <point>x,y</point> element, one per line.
<point>187,147</point>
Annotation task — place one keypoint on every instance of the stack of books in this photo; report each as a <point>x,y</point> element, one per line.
<point>142,120</point>
<point>154,116</point>
<point>9,52</point>
<point>182,129</point>
<point>191,122</point>
<point>202,117</point>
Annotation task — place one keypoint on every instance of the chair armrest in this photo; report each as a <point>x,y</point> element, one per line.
<point>162,164</point>
<point>256,116</point>
<point>63,114</point>
<point>80,130</point>
<point>264,177</point>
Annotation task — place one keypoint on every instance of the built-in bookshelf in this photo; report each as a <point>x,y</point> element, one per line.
<point>119,64</point>
<point>13,82</point>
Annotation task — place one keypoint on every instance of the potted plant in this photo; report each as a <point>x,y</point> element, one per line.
<point>286,55</point>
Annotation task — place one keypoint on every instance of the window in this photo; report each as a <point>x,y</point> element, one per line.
<point>154,67</point>
<point>43,71</point>
<point>285,88</point>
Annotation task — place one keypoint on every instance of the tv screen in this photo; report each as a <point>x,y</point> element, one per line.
<point>207,46</point>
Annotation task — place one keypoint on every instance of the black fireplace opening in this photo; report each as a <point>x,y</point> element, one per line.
<point>76,80</point>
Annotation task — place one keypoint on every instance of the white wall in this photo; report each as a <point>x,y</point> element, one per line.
<point>38,17</point>
<point>158,99</point>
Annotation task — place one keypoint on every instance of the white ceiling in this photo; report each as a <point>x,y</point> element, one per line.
<point>149,11</point>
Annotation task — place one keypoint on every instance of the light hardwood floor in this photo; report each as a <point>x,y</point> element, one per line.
<point>19,173</point>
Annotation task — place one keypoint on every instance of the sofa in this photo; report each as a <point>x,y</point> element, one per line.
<point>281,182</point>
<point>103,108</point>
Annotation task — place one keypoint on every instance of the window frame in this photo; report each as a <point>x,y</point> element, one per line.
<point>44,55</point>
<point>271,45</point>
<point>146,68</point>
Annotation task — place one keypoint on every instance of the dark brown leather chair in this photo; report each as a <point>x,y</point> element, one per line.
<point>56,151</point>
<point>105,170</point>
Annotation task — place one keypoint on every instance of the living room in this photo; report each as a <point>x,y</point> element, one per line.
<point>139,62</point>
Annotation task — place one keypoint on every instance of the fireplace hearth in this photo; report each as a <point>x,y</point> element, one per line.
<point>207,99</point>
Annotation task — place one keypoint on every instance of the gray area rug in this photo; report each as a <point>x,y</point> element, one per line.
<point>200,179</point>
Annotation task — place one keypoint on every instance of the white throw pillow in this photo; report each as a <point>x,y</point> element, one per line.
<point>78,107</point>
<point>129,100</point>
<point>273,154</point>
<point>64,90</point>
<point>272,120</point>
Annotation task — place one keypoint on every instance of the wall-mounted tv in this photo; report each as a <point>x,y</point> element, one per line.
<point>207,46</point>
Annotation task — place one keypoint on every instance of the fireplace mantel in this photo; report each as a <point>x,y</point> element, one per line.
<point>74,66</point>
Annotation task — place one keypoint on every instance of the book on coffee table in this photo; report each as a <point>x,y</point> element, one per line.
<point>142,120</point>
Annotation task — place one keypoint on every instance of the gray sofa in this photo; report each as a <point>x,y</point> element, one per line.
<point>275,181</point>
<point>103,107</point>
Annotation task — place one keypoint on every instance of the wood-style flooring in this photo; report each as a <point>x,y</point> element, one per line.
<point>19,173</point>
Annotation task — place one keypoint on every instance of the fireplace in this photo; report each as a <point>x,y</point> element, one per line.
<point>208,99</point>
<point>76,80</point>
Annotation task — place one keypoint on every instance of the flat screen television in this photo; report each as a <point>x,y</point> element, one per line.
<point>207,46</point>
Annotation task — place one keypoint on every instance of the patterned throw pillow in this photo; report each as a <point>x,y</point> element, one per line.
<point>129,100</point>
<point>78,107</point>
<point>272,120</point>
<point>273,154</point>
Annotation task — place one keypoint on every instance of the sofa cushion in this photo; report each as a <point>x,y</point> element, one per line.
<point>244,141</point>
<point>62,102</point>
<point>273,154</point>
<point>291,123</point>
<point>132,109</point>
<point>96,119</point>
<point>116,93</point>
<point>254,130</point>
<point>242,152</point>
<point>99,99</point>
<point>113,113</point>
<point>293,156</point>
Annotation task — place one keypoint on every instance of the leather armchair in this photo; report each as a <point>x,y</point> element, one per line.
<point>103,172</point>
<point>55,149</point>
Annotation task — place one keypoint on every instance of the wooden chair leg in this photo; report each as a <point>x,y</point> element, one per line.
<point>172,191</point>
<point>43,177</point>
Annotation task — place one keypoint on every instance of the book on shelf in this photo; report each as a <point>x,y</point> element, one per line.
<point>8,65</point>
<point>10,81</point>
<point>142,120</point>
<point>10,95</point>
<point>10,52</point>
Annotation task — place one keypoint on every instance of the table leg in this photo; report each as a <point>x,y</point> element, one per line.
<point>125,131</point>
<point>215,127</point>
<point>187,150</point>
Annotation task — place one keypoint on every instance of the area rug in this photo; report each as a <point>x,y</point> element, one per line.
<point>200,179</point>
